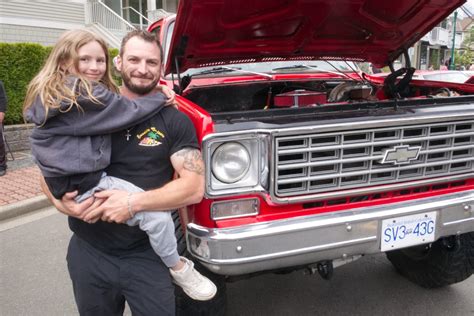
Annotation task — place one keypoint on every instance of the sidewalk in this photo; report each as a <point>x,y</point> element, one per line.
<point>20,190</point>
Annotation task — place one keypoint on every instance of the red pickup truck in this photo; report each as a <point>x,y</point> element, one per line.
<point>310,162</point>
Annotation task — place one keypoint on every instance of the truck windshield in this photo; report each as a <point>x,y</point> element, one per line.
<point>276,67</point>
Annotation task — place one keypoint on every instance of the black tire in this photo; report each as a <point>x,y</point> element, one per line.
<point>444,262</point>
<point>186,306</point>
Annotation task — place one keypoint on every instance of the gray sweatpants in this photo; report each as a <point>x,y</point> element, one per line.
<point>157,224</point>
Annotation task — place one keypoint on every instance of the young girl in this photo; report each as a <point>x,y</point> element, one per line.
<point>75,106</point>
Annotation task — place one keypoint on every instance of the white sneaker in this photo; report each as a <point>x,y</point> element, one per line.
<point>193,283</point>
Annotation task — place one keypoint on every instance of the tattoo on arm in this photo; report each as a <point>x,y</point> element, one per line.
<point>192,160</point>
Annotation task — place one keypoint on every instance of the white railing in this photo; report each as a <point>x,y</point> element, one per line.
<point>141,17</point>
<point>98,12</point>
<point>114,40</point>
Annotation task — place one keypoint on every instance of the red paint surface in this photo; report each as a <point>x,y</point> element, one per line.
<point>208,32</point>
<point>271,212</point>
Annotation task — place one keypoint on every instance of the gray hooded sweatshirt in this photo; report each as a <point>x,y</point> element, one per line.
<point>78,142</point>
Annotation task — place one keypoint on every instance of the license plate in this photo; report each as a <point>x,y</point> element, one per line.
<point>405,231</point>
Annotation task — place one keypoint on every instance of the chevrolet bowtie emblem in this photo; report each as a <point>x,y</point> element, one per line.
<point>400,154</point>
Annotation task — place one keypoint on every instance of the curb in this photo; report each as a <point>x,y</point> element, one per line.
<point>23,207</point>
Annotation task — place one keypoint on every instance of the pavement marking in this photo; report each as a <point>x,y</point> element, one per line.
<point>27,218</point>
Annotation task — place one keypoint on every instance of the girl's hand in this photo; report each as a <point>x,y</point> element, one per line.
<point>169,94</point>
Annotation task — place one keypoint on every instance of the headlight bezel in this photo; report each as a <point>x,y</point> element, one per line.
<point>256,178</point>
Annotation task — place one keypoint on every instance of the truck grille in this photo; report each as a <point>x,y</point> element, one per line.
<point>327,162</point>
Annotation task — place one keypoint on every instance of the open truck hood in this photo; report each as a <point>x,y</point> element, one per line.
<point>219,32</point>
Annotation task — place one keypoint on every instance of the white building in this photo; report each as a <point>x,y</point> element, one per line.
<point>43,21</point>
<point>435,47</point>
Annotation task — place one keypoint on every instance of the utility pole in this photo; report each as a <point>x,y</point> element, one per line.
<point>451,66</point>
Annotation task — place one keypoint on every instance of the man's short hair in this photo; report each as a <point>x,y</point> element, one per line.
<point>144,35</point>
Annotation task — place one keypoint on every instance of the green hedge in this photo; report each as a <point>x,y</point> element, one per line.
<point>19,63</point>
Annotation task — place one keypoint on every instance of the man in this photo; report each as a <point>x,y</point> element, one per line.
<point>3,109</point>
<point>111,263</point>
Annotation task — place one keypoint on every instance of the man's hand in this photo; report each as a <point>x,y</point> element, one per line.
<point>95,205</point>
<point>70,207</point>
<point>2,114</point>
<point>113,209</point>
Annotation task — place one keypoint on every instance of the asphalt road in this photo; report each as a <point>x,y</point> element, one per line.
<point>34,281</point>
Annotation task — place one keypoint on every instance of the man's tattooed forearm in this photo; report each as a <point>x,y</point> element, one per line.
<point>192,160</point>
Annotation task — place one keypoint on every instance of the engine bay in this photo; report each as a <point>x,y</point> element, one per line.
<point>268,95</point>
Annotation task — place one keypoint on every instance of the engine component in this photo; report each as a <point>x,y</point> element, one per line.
<point>395,88</point>
<point>444,92</point>
<point>300,98</point>
<point>350,90</point>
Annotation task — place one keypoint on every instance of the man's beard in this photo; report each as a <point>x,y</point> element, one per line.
<point>140,90</point>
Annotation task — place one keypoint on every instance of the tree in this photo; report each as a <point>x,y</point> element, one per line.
<point>469,40</point>
<point>463,58</point>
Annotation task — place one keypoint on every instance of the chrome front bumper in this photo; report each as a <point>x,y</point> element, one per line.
<point>309,239</point>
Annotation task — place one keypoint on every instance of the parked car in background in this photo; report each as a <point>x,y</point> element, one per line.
<point>470,74</point>
<point>455,76</point>
<point>310,163</point>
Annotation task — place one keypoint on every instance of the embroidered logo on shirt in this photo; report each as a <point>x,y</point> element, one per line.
<point>150,137</point>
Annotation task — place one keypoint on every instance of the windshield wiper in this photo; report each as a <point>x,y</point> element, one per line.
<point>291,67</point>
<point>215,70</point>
<point>313,68</point>
<point>223,69</point>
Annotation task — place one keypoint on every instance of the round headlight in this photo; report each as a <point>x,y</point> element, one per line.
<point>230,162</point>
